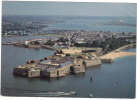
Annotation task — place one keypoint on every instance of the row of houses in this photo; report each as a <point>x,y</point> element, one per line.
<point>42,42</point>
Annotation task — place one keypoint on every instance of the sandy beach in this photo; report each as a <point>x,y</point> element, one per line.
<point>113,55</point>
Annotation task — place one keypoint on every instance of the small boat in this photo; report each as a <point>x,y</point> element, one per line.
<point>73,92</point>
<point>91,95</point>
<point>116,84</point>
<point>91,79</point>
<point>60,93</point>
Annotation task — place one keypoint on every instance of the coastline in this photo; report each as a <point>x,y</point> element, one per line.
<point>119,53</point>
<point>114,55</point>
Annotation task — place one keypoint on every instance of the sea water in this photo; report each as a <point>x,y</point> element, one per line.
<point>87,23</point>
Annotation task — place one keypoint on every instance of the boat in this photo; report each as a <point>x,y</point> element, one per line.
<point>91,95</point>
<point>91,79</point>
<point>116,84</point>
<point>73,92</point>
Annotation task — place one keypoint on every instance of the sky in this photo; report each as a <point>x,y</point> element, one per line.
<point>67,8</point>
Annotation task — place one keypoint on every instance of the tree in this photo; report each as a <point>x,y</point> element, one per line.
<point>45,58</point>
<point>36,43</point>
<point>49,42</point>
<point>67,54</point>
<point>62,40</point>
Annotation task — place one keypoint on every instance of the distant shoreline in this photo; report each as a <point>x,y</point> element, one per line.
<point>46,35</point>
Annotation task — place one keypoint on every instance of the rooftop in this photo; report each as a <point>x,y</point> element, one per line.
<point>49,69</point>
<point>65,64</point>
<point>44,62</point>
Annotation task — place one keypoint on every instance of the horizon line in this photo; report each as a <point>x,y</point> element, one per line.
<point>67,15</point>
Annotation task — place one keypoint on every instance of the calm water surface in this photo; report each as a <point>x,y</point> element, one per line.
<point>122,70</point>
<point>86,23</point>
<point>23,38</point>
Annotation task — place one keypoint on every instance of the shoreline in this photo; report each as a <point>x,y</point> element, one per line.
<point>111,56</point>
<point>115,55</point>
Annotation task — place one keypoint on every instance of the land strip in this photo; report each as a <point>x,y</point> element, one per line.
<point>109,57</point>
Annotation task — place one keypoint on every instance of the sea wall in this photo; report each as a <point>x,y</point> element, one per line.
<point>61,71</point>
<point>77,69</point>
<point>20,71</point>
<point>45,73</point>
<point>34,73</point>
<point>90,63</point>
<point>64,70</point>
<point>107,60</point>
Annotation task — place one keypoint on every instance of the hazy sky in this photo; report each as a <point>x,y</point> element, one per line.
<point>67,8</point>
